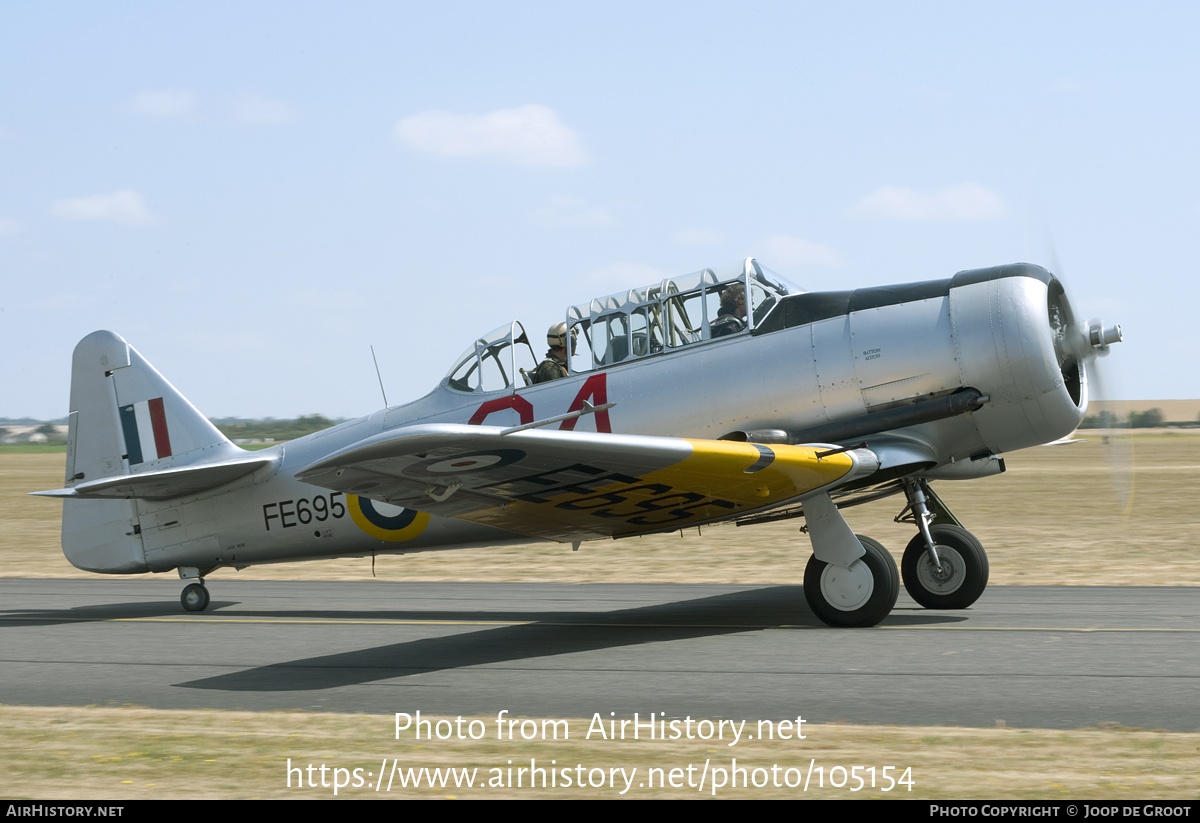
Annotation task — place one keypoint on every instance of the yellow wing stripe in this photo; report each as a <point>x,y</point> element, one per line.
<point>712,482</point>
<point>718,468</point>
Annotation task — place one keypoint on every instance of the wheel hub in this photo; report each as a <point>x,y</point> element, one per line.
<point>946,580</point>
<point>847,588</point>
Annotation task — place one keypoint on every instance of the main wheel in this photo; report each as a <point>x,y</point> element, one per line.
<point>194,597</point>
<point>859,595</point>
<point>964,573</point>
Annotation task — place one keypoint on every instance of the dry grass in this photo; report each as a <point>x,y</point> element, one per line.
<point>132,753</point>
<point>1051,519</point>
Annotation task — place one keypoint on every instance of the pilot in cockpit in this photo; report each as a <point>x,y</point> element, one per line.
<point>732,317</point>
<point>554,366</point>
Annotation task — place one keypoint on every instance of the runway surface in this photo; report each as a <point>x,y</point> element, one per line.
<point>1053,657</point>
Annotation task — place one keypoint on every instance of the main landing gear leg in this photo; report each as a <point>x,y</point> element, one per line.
<point>944,566</point>
<point>194,597</point>
<point>850,581</point>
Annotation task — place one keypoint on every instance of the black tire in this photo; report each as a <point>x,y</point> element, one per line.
<point>194,597</point>
<point>878,596</point>
<point>962,556</point>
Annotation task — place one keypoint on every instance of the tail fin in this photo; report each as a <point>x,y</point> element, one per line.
<point>125,419</point>
<point>123,412</point>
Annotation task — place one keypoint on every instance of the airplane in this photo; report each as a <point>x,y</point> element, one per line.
<point>673,414</point>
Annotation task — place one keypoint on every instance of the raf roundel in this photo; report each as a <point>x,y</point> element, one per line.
<point>474,462</point>
<point>378,520</point>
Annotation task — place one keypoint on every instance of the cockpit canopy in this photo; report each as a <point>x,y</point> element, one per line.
<point>642,322</point>
<point>678,312</point>
<point>493,361</point>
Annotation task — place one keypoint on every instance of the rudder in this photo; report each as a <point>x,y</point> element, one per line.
<point>125,418</point>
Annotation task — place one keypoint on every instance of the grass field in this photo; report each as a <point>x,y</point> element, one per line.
<point>1051,519</point>
<point>98,753</point>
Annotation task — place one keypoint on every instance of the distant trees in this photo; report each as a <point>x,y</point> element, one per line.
<point>1103,420</point>
<point>49,434</point>
<point>275,430</point>
<point>1149,419</point>
<point>1146,420</point>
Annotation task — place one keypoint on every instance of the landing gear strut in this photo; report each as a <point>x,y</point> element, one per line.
<point>194,597</point>
<point>945,566</point>
<point>850,580</point>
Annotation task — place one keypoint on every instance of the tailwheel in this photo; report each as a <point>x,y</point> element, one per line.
<point>194,597</point>
<point>859,595</point>
<point>964,569</point>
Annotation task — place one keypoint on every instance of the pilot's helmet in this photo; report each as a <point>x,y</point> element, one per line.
<point>557,335</point>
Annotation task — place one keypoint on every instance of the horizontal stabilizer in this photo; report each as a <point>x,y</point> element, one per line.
<point>164,484</point>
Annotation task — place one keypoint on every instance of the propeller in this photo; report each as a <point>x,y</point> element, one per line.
<point>1084,345</point>
<point>1119,449</point>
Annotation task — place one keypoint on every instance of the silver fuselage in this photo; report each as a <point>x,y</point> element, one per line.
<point>821,358</point>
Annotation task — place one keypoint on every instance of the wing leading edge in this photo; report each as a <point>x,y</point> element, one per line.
<point>569,486</point>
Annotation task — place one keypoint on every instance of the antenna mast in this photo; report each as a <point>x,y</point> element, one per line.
<point>380,376</point>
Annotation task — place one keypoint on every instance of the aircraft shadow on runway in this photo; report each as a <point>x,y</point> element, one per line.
<point>548,634</point>
<point>20,618</point>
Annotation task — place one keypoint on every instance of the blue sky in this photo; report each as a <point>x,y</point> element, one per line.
<point>253,194</point>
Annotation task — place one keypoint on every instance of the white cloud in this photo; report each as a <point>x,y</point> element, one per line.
<point>783,250</point>
<point>565,211</point>
<point>262,111</point>
<point>181,104</point>
<point>616,277</point>
<point>168,104</point>
<point>696,237</point>
<point>123,206</point>
<point>963,202</point>
<point>530,135</point>
<point>9,227</point>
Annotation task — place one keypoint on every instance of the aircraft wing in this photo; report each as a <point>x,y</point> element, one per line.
<point>570,486</point>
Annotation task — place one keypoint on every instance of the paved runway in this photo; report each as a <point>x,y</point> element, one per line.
<point>1052,657</point>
